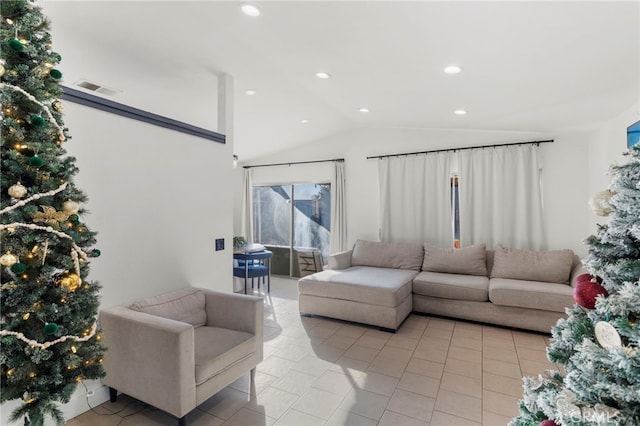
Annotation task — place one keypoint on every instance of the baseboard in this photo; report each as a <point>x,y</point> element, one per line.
<point>78,404</point>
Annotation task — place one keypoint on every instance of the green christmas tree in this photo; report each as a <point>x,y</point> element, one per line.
<point>597,346</point>
<point>49,337</point>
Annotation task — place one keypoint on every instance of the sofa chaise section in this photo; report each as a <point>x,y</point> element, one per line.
<point>371,284</point>
<point>379,297</point>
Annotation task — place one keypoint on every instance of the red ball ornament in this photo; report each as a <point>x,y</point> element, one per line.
<point>585,293</point>
<point>588,277</point>
<point>548,423</point>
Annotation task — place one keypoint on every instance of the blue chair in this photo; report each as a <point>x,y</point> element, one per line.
<point>253,265</point>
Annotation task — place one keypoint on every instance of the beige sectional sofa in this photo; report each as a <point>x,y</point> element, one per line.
<point>381,283</point>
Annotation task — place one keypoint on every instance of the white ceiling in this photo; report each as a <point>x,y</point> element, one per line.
<point>544,66</point>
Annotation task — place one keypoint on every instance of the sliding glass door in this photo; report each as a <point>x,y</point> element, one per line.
<point>293,220</point>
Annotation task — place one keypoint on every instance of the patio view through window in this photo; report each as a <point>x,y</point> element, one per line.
<point>291,218</point>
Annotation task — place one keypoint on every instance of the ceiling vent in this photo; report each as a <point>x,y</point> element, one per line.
<point>94,87</point>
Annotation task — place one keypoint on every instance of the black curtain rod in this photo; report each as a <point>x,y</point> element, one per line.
<point>460,149</point>
<point>292,163</point>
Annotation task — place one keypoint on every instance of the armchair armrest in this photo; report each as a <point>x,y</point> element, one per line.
<point>236,312</point>
<point>341,260</point>
<point>159,349</point>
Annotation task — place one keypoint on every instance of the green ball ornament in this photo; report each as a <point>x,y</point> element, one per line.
<point>50,328</point>
<point>16,45</point>
<point>74,218</point>
<point>55,74</point>
<point>37,120</point>
<point>95,253</point>
<point>18,268</point>
<point>56,56</point>
<point>36,161</point>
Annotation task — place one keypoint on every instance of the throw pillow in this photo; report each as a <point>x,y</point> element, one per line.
<point>185,305</point>
<point>387,255</point>
<point>470,260</point>
<point>553,266</point>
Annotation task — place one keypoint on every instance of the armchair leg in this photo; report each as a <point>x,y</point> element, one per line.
<point>113,394</point>
<point>253,374</point>
<point>182,421</point>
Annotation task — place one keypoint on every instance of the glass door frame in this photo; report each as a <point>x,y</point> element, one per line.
<point>292,235</point>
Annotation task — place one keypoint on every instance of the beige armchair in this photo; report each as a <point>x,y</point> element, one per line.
<point>176,350</point>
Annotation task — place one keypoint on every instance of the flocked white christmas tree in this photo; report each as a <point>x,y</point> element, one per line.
<point>596,347</point>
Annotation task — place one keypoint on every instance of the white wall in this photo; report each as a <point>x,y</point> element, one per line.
<point>565,177</point>
<point>158,199</point>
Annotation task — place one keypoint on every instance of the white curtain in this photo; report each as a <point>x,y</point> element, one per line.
<point>415,198</point>
<point>247,207</point>
<point>338,238</point>
<point>500,197</point>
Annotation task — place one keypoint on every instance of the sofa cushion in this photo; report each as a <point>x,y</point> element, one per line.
<point>375,286</point>
<point>530,294</point>
<point>217,349</point>
<point>452,286</point>
<point>186,305</point>
<point>470,260</point>
<point>387,255</point>
<point>552,266</point>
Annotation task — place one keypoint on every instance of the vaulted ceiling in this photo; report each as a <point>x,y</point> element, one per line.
<point>547,66</point>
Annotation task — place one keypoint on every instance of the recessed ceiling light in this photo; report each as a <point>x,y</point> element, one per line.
<point>459,112</point>
<point>305,121</point>
<point>323,75</point>
<point>452,69</point>
<point>250,92</point>
<point>364,109</point>
<point>250,10</point>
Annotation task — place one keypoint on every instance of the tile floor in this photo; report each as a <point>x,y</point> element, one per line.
<point>318,371</point>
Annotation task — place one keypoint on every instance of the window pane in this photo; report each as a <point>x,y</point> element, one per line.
<point>455,204</point>
<point>271,215</point>
<point>272,208</point>
<point>312,217</point>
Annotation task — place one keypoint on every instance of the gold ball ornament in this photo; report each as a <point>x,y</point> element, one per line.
<point>70,207</point>
<point>57,106</point>
<point>70,282</point>
<point>17,191</point>
<point>8,259</point>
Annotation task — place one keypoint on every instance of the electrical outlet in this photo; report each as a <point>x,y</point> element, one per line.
<point>90,393</point>
<point>219,244</point>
